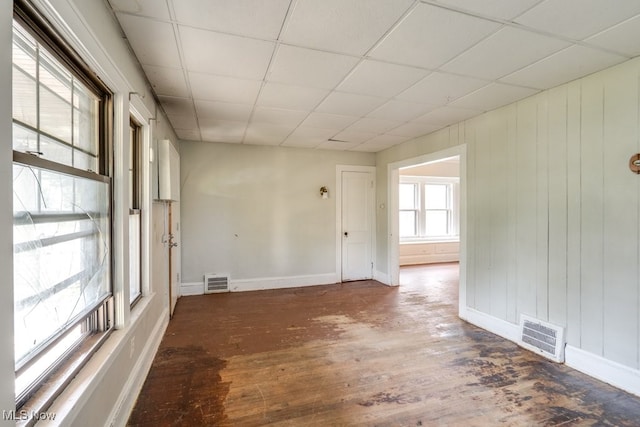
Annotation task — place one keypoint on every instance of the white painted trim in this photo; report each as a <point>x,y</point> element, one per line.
<point>382,278</point>
<point>191,288</point>
<point>243,285</point>
<point>127,398</point>
<point>613,373</point>
<point>81,390</point>
<point>393,241</point>
<point>500,327</point>
<point>338,196</point>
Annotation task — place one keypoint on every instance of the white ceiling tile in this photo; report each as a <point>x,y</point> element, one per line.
<point>226,89</point>
<point>153,42</point>
<point>365,147</point>
<point>291,97</point>
<point>266,134</point>
<point>150,8</point>
<point>191,134</point>
<point>208,110</point>
<point>578,19</point>
<point>306,67</point>
<point>222,131</point>
<point>401,111</point>
<point>447,115</point>
<point>278,116</point>
<point>493,96</point>
<point>501,9</point>
<point>334,145</point>
<point>564,66</point>
<point>504,52</point>
<point>387,140</point>
<point>430,36</point>
<point>373,125</point>
<point>308,137</point>
<point>328,121</point>
<point>167,81</point>
<point>183,122</point>
<point>353,137</point>
<point>351,27</point>
<point>216,53</point>
<point>379,143</point>
<point>413,129</point>
<point>175,106</point>
<point>255,18</point>
<point>441,88</point>
<point>623,38</point>
<point>349,104</point>
<point>380,79</point>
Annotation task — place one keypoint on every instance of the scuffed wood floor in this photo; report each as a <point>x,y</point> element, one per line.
<point>359,353</point>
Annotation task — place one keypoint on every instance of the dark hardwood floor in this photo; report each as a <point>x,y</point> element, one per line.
<point>355,354</point>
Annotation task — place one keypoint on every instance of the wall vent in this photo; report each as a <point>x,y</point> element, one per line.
<point>214,283</point>
<point>543,338</point>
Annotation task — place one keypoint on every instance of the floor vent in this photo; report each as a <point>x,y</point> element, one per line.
<point>215,283</point>
<point>542,337</point>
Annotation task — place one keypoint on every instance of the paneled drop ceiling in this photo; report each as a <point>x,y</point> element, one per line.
<point>362,75</point>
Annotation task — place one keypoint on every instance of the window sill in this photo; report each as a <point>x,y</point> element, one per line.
<point>430,241</point>
<point>73,398</point>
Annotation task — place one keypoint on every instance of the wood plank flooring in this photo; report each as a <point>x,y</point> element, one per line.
<point>359,353</point>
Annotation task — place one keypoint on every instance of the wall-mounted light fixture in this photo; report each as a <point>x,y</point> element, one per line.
<point>324,192</point>
<point>634,163</point>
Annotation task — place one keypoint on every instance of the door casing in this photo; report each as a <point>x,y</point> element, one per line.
<point>339,211</point>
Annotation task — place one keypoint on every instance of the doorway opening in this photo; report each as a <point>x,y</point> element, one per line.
<point>427,215</point>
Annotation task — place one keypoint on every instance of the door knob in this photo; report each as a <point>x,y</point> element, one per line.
<point>346,234</point>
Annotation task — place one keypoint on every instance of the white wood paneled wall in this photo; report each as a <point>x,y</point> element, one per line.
<point>554,213</point>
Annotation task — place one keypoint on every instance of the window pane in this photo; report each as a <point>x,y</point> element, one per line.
<point>134,259</point>
<point>408,196</point>
<point>61,253</point>
<point>24,78</point>
<point>84,161</point>
<point>436,196</point>
<point>24,139</point>
<point>85,119</point>
<point>408,224</point>
<point>437,223</point>
<point>55,151</point>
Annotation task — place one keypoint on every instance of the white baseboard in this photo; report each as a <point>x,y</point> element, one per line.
<point>127,399</point>
<point>192,288</point>
<point>382,278</point>
<point>613,373</point>
<point>500,327</point>
<point>243,285</point>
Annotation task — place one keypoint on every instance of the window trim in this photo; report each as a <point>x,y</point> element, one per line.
<point>420,182</point>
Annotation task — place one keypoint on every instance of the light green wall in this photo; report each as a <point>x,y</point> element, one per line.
<point>256,211</point>
<point>553,210</point>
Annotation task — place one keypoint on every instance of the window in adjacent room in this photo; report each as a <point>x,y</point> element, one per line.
<point>61,206</point>
<point>428,208</point>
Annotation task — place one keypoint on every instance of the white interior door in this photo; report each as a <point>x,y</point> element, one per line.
<point>357,225</point>
<point>174,255</point>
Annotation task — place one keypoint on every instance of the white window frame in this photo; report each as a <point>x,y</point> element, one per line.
<point>454,214</point>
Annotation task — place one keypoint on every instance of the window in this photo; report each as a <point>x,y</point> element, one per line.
<point>428,208</point>
<point>134,212</point>
<point>61,205</point>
